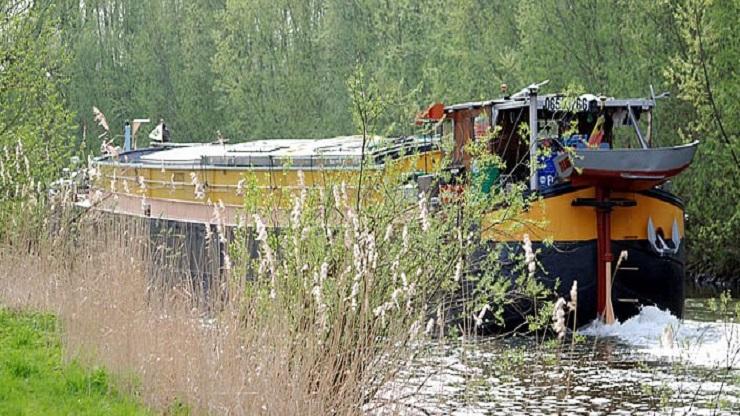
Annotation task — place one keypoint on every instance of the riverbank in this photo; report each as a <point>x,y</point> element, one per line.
<point>710,285</point>
<point>35,379</point>
<point>305,338</point>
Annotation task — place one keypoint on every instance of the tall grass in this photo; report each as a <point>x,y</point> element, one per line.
<point>224,361</point>
<point>331,308</point>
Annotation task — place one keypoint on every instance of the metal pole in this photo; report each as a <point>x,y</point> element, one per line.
<point>127,136</point>
<point>533,185</point>
<point>633,120</point>
<point>604,257</point>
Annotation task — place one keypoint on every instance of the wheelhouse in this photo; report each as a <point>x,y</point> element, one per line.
<point>538,137</point>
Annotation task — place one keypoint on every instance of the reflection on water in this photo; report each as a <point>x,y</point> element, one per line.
<point>636,367</point>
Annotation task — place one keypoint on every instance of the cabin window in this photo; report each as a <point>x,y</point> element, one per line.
<point>481,125</point>
<point>511,145</point>
<point>630,130</point>
<point>447,134</point>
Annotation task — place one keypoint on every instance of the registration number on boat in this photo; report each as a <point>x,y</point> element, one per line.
<point>561,103</point>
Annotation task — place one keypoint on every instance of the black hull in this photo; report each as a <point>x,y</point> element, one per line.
<point>644,279</point>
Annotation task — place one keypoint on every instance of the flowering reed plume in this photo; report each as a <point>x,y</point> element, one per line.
<point>200,189</point>
<point>529,258</point>
<point>558,318</point>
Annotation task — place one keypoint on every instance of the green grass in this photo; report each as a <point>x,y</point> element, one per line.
<point>34,380</point>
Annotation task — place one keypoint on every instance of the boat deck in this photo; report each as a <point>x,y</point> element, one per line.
<point>345,152</point>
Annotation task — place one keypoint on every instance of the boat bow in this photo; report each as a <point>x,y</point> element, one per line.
<point>630,169</point>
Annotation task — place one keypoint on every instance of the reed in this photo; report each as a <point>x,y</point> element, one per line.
<point>165,344</point>
<point>320,321</point>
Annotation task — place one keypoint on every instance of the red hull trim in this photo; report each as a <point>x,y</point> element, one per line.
<point>624,180</point>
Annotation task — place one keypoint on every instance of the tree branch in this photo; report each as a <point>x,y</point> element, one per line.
<point>708,87</point>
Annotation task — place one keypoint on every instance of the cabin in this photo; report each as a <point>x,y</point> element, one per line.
<point>601,190</point>
<point>531,135</point>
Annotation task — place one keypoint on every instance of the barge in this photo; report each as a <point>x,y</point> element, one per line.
<point>601,186</point>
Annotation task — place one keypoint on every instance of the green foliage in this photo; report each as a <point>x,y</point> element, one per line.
<point>271,71</point>
<point>610,47</point>
<point>35,135</point>
<point>362,274</point>
<point>367,103</point>
<point>707,79</point>
<point>178,408</point>
<point>34,379</point>
<point>135,59</point>
<point>723,307</point>
<point>279,69</point>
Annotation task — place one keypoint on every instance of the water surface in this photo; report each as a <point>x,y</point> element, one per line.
<point>652,363</point>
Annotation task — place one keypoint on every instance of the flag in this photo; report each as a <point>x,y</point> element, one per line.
<point>156,134</point>
<point>100,119</point>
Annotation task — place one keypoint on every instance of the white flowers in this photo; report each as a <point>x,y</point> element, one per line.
<point>559,311</point>
<point>388,232</point>
<point>340,263</point>
<point>142,190</point>
<point>317,292</point>
<point>200,189</point>
<point>355,292</point>
<point>458,270</point>
<point>218,219</point>
<point>558,318</point>
<point>267,259</point>
<point>93,172</point>
<point>381,310</point>
<point>142,183</point>
<point>482,314</point>
<point>240,187</point>
<point>259,226</point>
<point>440,320</point>
<point>295,214</point>
<point>365,261</point>
<point>429,327</point>
<point>405,237</point>
<point>423,212</point>
<point>337,199</point>
<point>573,304</point>
<point>529,259</point>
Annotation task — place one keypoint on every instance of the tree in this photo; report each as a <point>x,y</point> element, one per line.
<point>269,71</point>
<point>706,75</point>
<point>609,47</point>
<point>35,126</point>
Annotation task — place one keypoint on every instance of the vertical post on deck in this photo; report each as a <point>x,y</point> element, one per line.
<point>127,136</point>
<point>604,257</point>
<point>533,185</point>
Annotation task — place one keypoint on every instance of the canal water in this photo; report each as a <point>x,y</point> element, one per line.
<point>650,364</point>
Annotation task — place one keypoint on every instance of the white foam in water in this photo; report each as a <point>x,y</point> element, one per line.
<point>657,332</point>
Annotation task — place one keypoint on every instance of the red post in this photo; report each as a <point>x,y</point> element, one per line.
<point>603,250</point>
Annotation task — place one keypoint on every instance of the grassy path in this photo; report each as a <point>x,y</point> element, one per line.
<point>34,380</point>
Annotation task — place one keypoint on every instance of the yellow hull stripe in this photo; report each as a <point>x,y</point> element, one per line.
<point>223,184</point>
<point>555,219</point>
